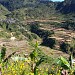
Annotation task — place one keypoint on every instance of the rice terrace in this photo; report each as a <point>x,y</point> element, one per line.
<point>37,37</point>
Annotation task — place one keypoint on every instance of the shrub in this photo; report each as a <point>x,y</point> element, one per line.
<point>4,34</point>
<point>35,36</point>
<point>65,47</point>
<point>2,54</point>
<point>50,42</point>
<point>68,25</point>
<point>34,27</point>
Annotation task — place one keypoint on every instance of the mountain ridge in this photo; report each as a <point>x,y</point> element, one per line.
<point>67,6</point>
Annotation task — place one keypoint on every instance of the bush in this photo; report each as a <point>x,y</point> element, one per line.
<point>29,36</point>
<point>35,36</point>
<point>65,47</point>
<point>70,25</point>
<point>2,54</point>
<point>4,34</point>
<point>34,27</point>
<point>50,42</point>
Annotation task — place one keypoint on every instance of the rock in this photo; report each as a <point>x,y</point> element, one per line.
<point>12,38</point>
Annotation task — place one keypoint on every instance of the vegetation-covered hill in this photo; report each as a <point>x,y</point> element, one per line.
<point>15,4</point>
<point>33,36</point>
<point>68,6</point>
<point>3,12</point>
<point>24,21</point>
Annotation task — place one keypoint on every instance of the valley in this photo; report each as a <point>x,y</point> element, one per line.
<point>37,37</point>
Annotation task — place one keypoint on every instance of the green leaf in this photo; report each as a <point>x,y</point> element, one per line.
<point>36,45</point>
<point>63,63</point>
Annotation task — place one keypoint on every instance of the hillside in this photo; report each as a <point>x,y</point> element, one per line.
<point>3,12</point>
<point>25,23</point>
<point>20,21</point>
<point>37,37</point>
<point>11,5</point>
<point>68,6</point>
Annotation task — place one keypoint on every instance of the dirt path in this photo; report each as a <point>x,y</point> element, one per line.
<point>42,20</point>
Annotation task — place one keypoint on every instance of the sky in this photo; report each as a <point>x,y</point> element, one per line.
<point>57,0</point>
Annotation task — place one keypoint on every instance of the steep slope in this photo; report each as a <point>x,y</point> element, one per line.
<point>15,4</point>
<point>3,12</point>
<point>70,1</point>
<point>11,4</point>
<point>29,13</point>
<point>68,6</point>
